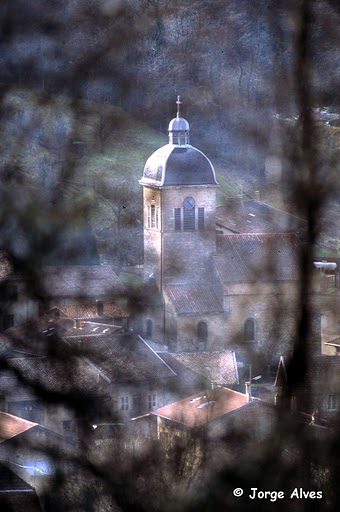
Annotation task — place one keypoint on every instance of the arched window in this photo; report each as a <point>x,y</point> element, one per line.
<point>249,330</point>
<point>202,335</point>
<point>149,328</point>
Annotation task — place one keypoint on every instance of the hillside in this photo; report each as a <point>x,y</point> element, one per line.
<point>88,156</point>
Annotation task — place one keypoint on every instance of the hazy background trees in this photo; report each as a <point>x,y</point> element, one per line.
<point>258,81</point>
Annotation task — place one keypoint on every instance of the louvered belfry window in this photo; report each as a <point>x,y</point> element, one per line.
<point>189,219</point>
<point>177,219</point>
<point>200,219</point>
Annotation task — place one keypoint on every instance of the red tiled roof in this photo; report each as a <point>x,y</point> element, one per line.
<point>11,426</point>
<point>264,257</point>
<point>193,299</point>
<point>192,412</point>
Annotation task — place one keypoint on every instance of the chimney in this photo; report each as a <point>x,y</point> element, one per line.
<point>257,195</point>
<point>248,391</point>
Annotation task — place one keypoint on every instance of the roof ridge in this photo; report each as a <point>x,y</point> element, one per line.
<point>267,235</point>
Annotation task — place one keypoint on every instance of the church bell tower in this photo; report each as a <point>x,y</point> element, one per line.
<point>179,198</point>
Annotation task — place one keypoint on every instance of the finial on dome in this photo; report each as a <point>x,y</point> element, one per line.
<point>179,128</point>
<point>178,102</point>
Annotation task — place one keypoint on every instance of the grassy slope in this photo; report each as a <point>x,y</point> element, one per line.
<point>35,124</point>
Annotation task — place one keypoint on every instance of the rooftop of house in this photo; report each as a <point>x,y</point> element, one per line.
<point>89,311</point>
<point>11,426</point>
<point>193,299</point>
<point>81,281</point>
<point>63,373</point>
<point>201,408</point>
<point>251,216</point>
<point>193,368</point>
<point>41,336</point>
<point>15,493</point>
<point>249,258</point>
<point>122,357</point>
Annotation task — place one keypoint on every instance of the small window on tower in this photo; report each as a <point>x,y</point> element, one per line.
<point>153,216</point>
<point>177,219</point>
<point>200,219</point>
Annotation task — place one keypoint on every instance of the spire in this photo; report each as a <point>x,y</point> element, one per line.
<point>179,128</point>
<point>179,103</point>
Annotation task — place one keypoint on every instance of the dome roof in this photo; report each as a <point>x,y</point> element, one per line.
<point>179,124</point>
<point>174,165</point>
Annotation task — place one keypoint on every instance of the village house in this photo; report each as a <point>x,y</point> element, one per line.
<point>201,370</point>
<point>100,312</point>
<point>15,493</point>
<point>49,368</point>
<point>207,428</point>
<point>319,397</point>
<point>58,285</point>
<point>33,452</point>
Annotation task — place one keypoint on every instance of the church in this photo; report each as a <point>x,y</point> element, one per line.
<point>208,290</point>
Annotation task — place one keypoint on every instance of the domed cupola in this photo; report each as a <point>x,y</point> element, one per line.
<point>178,163</point>
<point>179,128</point>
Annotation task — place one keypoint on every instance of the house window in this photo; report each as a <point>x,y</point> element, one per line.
<point>153,216</point>
<point>152,401</point>
<point>331,403</point>
<point>177,219</point>
<point>249,330</point>
<point>124,403</point>
<point>200,219</point>
<point>189,219</point>
<point>136,401</point>
<point>149,329</point>
<point>202,335</point>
